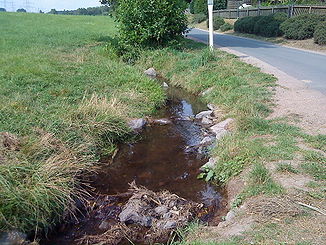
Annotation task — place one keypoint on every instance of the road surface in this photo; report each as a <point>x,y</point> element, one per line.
<point>303,65</point>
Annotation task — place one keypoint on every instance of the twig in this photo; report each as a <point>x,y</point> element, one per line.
<point>311,207</point>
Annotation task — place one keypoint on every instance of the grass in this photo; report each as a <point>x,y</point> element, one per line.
<point>68,99</point>
<point>286,168</point>
<point>242,92</point>
<point>67,102</point>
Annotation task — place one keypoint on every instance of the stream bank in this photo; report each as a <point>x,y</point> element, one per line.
<point>166,157</point>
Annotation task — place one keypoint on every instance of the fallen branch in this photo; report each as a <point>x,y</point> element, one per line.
<point>311,207</point>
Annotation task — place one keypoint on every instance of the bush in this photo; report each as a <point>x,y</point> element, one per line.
<point>200,6</point>
<point>246,24</point>
<point>226,27</point>
<point>217,22</point>
<point>301,26</point>
<point>198,18</point>
<point>267,26</point>
<point>151,22</point>
<point>320,33</point>
<point>280,16</point>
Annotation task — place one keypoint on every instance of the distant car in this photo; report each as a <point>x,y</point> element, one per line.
<point>243,6</point>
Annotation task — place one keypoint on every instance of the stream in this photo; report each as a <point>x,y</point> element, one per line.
<point>159,160</point>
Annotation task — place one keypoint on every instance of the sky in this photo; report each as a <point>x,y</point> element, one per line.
<point>47,5</point>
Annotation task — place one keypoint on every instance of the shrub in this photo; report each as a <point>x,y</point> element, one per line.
<point>246,24</point>
<point>301,26</point>
<point>151,22</point>
<point>200,6</point>
<point>280,16</point>
<point>217,22</point>
<point>226,27</point>
<point>320,33</point>
<point>198,18</point>
<point>267,26</point>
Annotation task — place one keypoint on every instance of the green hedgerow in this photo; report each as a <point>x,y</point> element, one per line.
<point>226,27</point>
<point>217,22</point>
<point>198,18</point>
<point>320,33</point>
<point>200,6</point>
<point>302,26</point>
<point>267,26</point>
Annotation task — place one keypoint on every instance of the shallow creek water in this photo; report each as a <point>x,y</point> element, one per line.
<point>159,160</point>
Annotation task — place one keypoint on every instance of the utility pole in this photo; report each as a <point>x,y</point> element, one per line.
<point>210,4</point>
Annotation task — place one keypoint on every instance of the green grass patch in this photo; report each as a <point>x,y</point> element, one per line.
<point>286,168</point>
<point>67,102</point>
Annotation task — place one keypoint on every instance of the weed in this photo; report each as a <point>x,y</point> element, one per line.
<point>286,167</point>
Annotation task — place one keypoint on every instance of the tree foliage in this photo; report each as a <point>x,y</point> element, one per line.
<point>21,10</point>
<point>200,6</point>
<point>3,10</point>
<point>151,22</point>
<point>102,10</point>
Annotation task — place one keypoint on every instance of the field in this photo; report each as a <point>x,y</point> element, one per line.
<point>65,99</point>
<point>67,103</point>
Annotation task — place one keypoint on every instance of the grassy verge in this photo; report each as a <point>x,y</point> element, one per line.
<point>64,102</point>
<point>243,93</point>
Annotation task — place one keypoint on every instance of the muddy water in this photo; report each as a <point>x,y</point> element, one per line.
<point>160,160</point>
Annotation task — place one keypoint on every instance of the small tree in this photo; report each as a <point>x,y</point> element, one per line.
<point>3,10</point>
<point>151,22</point>
<point>21,10</point>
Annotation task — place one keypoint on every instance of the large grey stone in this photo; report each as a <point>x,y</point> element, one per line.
<point>207,140</point>
<point>161,210</point>
<point>220,129</point>
<point>170,224</point>
<point>151,72</point>
<point>212,107</point>
<point>224,124</point>
<point>131,214</point>
<point>206,121</point>
<point>230,215</point>
<point>203,114</point>
<point>137,124</point>
<point>209,165</point>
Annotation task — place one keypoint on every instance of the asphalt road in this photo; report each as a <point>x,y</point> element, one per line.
<point>302,65</point>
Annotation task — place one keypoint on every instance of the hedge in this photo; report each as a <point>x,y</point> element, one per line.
<point>320,33</point>
<point>198,18</point>
<point>267,26</point>
<point>200,6</point>
<point>301,26</point>
<point>217,22</point>
<point>226,27</point>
